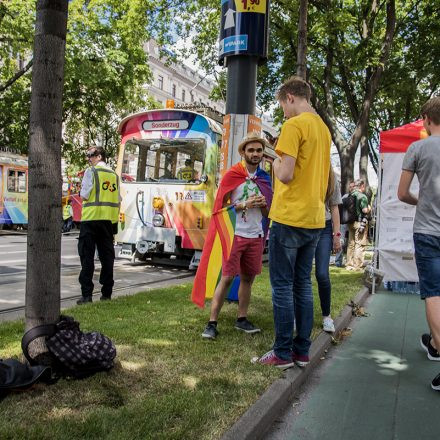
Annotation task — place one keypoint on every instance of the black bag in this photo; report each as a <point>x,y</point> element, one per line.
<point>347,210</point>
<point>74,353</point>
<point>16,376</point>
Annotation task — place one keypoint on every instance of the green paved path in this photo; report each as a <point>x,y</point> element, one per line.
<point>377,384</point>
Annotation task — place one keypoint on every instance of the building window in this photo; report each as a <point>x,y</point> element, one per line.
<point>192,96</point>
<point>173,92</point>
<point>160,80</point>
<point>183,95</point>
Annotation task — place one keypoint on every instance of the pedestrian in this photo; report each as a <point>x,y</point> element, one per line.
<point>298,216</point>
<point>242,186</point>
<point>423,159</point>
<point>358,230</point>
<point>329,240</point>
<point>67,216</point>
<point>99,219</point>
<point>339,257</point>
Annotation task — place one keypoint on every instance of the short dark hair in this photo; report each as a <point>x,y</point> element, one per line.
<point>188,162</point>
<point>99,151</point>
<point>295,86</point>
<point>431,109</point>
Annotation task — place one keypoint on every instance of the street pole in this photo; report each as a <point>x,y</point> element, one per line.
<point>243,46</point>
<point>241,85</point>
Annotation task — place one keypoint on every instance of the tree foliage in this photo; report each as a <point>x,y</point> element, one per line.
<point>371,63</point>
<point>105,73</point>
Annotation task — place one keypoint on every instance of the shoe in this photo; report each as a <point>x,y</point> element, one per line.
<point>247,327</point>
<point>328,325</point>
<point>270,358</point>
<point>425,342</point>
<point>435,384</point>
<point>300,359</point>
<point>210,331</point>
<point>105,298</point>
<point>84,300</point>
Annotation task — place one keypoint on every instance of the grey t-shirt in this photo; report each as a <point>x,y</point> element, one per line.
<point>423,158</point>
<point>334,199</point>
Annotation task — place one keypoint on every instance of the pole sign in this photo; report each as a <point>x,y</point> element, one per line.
<point>244,28</point>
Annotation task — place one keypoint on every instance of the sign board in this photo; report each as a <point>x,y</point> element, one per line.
<point>164,125</point>
<point>244,28</point>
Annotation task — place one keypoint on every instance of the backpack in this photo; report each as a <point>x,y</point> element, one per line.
<point>73,353</point>
<point>347,210</point>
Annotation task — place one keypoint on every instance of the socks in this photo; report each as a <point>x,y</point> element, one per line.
<point>213,323</point>
<point>243,318</point>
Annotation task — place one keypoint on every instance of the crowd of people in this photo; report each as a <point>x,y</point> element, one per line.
<point>305,225</point>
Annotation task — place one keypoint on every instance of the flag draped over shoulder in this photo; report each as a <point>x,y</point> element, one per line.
<point>218,242</point>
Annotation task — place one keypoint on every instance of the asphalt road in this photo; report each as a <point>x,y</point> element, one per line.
<point>129,278</point>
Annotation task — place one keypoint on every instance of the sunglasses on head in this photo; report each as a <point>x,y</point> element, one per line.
<point>89,155</point>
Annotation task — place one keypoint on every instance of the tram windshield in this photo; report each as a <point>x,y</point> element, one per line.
<point>166,159</point>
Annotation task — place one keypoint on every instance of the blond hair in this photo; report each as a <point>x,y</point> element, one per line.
<point>295,86</point>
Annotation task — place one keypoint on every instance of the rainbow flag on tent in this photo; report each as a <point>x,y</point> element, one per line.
<point>218,245</point>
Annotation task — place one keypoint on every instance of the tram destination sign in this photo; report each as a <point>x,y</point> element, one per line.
<point>243,28</point>
<point>165,125</point>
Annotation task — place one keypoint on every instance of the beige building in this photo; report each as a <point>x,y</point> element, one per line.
<point>184,85</point>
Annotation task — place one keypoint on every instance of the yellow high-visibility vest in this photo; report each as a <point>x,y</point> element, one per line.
<point>103,201</point>
<point>66,212</point>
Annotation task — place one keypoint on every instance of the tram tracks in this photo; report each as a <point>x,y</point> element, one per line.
<point>17,309</point>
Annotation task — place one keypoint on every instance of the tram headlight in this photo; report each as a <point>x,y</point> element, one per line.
<point>204,178</point>
<point>158,220</point>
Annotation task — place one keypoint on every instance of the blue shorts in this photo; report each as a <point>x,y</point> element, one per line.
<point>427,255</point>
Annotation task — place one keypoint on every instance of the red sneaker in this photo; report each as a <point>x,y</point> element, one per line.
<point>270,358</point>
<point>300,359</point>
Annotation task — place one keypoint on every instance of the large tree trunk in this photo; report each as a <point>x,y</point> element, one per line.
<point>301,65</point>
<point>44,229</point>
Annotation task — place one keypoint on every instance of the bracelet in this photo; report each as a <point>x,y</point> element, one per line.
<point>337,234</point>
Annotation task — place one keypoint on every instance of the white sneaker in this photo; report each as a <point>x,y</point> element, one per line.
<point>328,325</point>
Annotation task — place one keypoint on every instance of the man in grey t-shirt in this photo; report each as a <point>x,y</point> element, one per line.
<point>423,159</point>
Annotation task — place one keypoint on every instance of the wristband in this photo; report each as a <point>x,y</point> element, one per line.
<point>337,234</point>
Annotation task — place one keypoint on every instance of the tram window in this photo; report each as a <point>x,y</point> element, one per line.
<point>16,181</point>
<point>164,159</point>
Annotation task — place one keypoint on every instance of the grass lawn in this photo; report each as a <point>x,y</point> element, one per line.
<point>168,382</point>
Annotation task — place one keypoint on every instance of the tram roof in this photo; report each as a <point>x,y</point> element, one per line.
<point>10,158</point>
<point>213,125</point>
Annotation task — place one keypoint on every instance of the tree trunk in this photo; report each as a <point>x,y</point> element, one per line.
<point>301,65</point>
<point>45,185</point>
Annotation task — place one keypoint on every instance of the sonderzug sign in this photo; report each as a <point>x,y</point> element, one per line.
<point>165,125</point>
<point>243,29</point>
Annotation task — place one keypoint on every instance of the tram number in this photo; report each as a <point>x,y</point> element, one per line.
<point>179,196</point>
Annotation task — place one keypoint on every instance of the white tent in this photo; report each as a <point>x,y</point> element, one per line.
<point>394,238</point>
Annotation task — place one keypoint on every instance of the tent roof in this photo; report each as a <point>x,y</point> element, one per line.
<point>399,139</point>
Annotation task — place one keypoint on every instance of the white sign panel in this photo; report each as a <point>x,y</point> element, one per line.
<point>164,125</point>
<point>395,244</point>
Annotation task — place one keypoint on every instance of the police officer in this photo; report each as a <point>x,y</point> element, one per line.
<point>67,216</point>
<point>99,219</point>
<point>187,172</point>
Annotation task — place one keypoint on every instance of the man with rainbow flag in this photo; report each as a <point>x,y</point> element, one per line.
<point>236,236</point>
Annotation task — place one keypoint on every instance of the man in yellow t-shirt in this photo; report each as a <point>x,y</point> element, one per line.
<point>298,217</point>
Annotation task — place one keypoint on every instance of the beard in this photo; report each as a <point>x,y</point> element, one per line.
<point>251,161</point>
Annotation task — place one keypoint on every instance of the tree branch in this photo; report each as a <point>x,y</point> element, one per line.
<point>19,74</point>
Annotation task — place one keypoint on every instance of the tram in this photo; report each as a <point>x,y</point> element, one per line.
<point>13,190</point>
<point>169,164</point>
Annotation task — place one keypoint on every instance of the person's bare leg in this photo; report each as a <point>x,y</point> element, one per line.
<point>219,296</point>
<point>244,294</point>
<point>433,317</point>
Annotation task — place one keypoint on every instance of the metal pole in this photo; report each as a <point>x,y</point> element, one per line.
<point>241,84</point>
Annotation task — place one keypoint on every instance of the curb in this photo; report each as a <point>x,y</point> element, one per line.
<point>254,423</point>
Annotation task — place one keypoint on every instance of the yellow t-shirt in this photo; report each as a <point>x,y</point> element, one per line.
<point>300,203</point>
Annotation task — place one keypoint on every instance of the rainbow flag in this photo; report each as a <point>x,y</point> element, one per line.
<point>218,244</point>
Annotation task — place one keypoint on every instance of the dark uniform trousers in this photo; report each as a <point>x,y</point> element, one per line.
<point>96,234</point>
